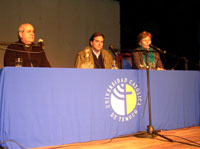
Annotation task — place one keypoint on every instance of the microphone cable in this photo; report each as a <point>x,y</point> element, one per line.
<point>21,51</point>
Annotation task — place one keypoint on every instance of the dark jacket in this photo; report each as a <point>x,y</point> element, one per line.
<point>37,59</point>
<point>137,60</point>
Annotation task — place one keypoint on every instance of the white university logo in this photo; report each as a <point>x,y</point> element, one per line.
<point>122,97</point>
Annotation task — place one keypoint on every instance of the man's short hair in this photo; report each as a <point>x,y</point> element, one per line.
<point>96,34</point>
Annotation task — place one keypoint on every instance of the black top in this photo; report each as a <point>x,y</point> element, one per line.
<point>37,59</point>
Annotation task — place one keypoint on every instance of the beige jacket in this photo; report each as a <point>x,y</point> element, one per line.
<point>81,58</point>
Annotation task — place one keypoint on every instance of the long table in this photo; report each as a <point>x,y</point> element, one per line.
<point>54,106</point>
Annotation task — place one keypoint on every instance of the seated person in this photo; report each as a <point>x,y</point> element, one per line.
<point>139,57</point>
<point>94,56</point>
<point>30,54</point>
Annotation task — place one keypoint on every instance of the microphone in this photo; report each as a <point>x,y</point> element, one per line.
<point>158,49</point>
<point>112,49</point>
<point>41,43</point>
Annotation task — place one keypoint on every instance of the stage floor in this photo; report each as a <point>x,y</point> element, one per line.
<point>183,138</point>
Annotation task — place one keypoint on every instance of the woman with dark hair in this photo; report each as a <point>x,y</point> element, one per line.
<point>139,55</point>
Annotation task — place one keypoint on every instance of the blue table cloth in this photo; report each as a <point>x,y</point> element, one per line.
<point>54,106</point>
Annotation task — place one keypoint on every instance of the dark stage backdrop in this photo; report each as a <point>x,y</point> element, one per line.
<point>175,28</point>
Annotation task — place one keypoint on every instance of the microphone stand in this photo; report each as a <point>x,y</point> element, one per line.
<point>183,58</point>
<point>186,61</point>
<point>151,133</point>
